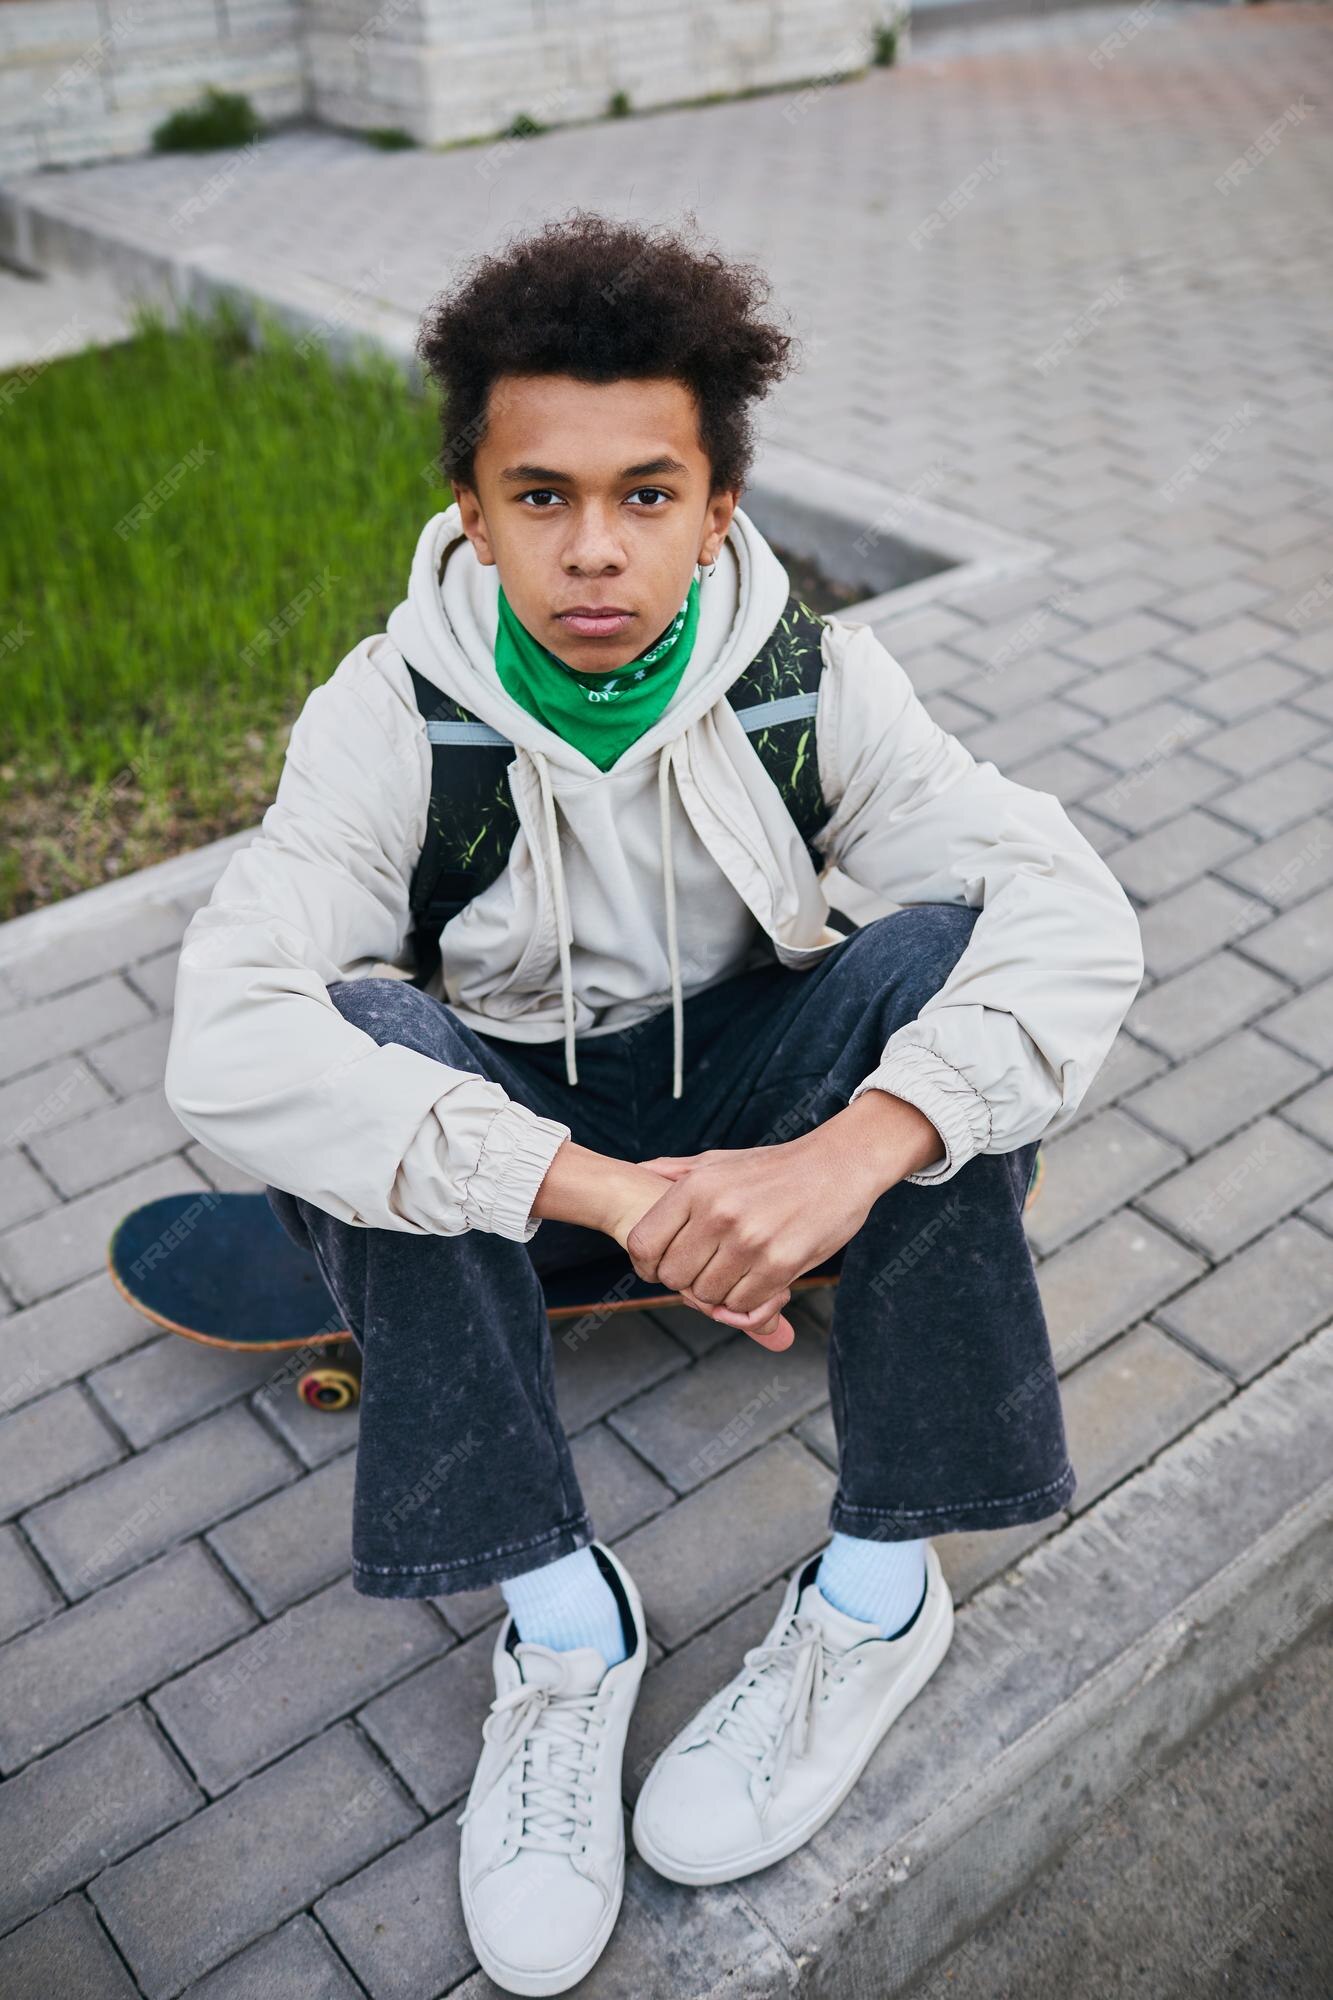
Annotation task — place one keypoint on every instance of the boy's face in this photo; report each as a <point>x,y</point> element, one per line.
<point>594,498</point>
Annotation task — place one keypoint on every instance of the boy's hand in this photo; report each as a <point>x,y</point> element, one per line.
<point>739,1226</point>
<point>764,1322</point>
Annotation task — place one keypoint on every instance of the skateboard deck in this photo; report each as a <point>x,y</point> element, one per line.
<point>221,1269</point>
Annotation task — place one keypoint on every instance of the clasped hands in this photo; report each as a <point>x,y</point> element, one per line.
<point>732,1229</point>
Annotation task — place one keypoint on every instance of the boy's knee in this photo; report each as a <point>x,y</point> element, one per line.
<point>393,1010</point>
<point>913,951</point>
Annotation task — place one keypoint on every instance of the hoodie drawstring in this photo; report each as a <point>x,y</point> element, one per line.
<point>564,931</point>
<point>669,884</point>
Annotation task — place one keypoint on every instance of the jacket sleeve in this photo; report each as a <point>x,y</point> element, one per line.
<point>264,1070</point>
<point>1010,1042</point>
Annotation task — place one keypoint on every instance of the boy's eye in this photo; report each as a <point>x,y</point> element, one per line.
<point>541,493</point>
<point>639,492</point>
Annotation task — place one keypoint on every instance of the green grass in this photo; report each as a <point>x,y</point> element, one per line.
<point>216,118</point>
<point>153,661</point>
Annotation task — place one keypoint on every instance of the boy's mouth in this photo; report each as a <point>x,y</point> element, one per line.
<point>595,621</point>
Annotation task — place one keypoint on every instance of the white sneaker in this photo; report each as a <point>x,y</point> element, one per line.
<point>775,1753</point>
<point>542,1861</point>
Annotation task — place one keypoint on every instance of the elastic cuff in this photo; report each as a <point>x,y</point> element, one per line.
<point>515,1156</point>
<point>957,1110</point>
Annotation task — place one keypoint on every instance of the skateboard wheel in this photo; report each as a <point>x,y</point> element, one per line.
<point>1034,1184</point>
<point>329,1388</point>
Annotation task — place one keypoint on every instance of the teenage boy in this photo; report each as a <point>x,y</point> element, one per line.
<point>618,753</point>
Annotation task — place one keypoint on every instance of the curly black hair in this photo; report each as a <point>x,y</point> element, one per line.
<point>601,300</point>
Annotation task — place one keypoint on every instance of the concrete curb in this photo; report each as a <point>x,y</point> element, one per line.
<point>1115,1643</point>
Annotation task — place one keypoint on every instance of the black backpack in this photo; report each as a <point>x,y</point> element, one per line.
<point>472,820</point>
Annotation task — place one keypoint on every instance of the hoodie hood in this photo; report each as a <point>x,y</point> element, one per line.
<point>446,627</point>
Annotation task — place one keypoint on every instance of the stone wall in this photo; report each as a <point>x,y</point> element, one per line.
<point>87,79</point>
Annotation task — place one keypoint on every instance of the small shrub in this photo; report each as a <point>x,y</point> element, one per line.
<point>885,51</point>
<point>218,118</point>
<point>522,127</point>
<point>619,105</point>
<point>389,138</point>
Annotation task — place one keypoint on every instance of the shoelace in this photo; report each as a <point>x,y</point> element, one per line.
<point>767,1717</point>
<point>550,1737</point>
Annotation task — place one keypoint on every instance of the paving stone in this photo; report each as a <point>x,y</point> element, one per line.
<point>136,1060</point>
<point>84,1662</point>
<point>1182,929</point>
<point>1212,602</point>
<point>1298,945</point>
<point>25,1594</point>
<point>24,1193</point>
<point>602,1363</point>
<point>678,1686</point>
<point>1119,690</point>
<point>1321,1213</point>
<point>45,1099</point>
<point>1226,645</point>
<point>1312,1112</point>
<point>315,1435</point>
<point>122,1517</point>
<point>63,1337</point>
<point>171,1382</point>
<point>1241,1188</point>
<point>1290,867</point>
<point>260,1697</point>
<point>48,1444</point>
<point>198,1894</point>
<point>1223,1088</point>
<point>1093,1170</point>
<point>63,1952</point>
<point>399,1923</point>
<point>70,1242</point>
<point>80,1020</point>
<point>1144,797</point>
<point>1017,683</point>
<point>1123,639</point>
<point>294,1963</point>
<point>1306,1024</point>
<point>296,1541</point>
<point>694,1330</point>
<point>1268,804</point>
<point>1098,832</point>
<point>1257,1306</point>
<point>69,1814</point>
<point>1128,1401</point>
<point>155,978</point>
<point>618,1487</point>
<point>734,1399</point>
<point>970,1561</point>
<point>1170,856</point>
<point>1200,1005</point>
<point>96,949</point>
<point>1267,738</point>
<point>1128,1064</point>
<point>755,1519</point>
<point>1259,684</point>
<point>818,1431</point>
<point>429,1725</point>
<point>1107,1281</point>
<point>1063,771</point>
<point>109,1142</point>
<point>1030,730</point>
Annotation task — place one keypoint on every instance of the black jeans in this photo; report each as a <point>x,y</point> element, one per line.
<point>945,1401</point>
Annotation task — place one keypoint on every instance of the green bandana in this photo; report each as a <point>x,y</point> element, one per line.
<point>600,714</point>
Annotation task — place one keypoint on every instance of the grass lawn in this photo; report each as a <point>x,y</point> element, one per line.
<point>196,530</point>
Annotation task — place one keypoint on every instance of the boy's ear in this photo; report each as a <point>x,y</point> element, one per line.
<point>474,522</point>
<point>721,507</point>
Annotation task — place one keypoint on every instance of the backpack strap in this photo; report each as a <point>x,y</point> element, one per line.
<point>472,822</point>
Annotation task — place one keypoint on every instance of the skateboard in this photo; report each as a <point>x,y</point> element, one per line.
<point>221,1269</point>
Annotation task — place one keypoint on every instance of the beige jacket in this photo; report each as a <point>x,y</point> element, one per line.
<point>625,891</point>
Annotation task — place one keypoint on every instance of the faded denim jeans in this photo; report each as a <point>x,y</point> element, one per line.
<point>945,1402</point>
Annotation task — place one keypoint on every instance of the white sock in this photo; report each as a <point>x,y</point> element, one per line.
<point>881,1583</point>
<point>567,1603</point>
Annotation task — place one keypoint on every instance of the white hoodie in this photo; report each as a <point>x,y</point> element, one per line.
<point>625,891</point>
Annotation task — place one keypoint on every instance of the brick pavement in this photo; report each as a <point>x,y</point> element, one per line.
<point>1024,293</point>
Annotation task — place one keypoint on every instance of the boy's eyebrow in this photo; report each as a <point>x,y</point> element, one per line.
<point>518,473</point>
